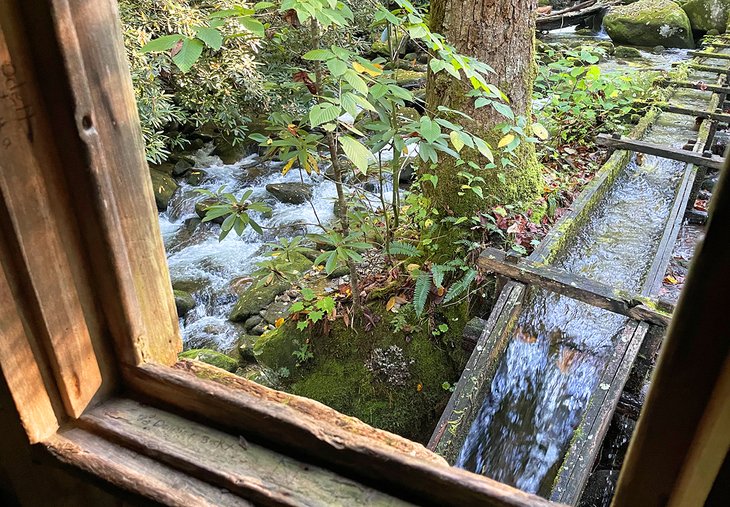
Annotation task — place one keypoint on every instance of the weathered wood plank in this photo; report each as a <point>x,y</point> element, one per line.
<point>703,68</point>
<point>136,473</point>
<point>230,462</point>
<point>308,408</point>
<point>89,103</point>
<point>450,432</point>
<point>47,250</point>
<point>576,287</point>
<point>668,108</point>
<point>709,55</point>
<point>693,86</point>
<point>20,367</point>
<point>690,157</point>
<point>356,456</point>
<point>589,436</point>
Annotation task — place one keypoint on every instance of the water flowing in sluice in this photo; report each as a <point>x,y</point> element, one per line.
<point>560,346</point>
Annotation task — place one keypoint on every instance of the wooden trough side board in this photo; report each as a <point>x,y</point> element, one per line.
<point>586,444</point>
<point>694,85</point>
<point>465,401</point>
<point>576,287</point>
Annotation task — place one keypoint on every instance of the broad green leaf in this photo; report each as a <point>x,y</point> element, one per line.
<point>161,43</point>
<point>323,113</point>
<point>252,25</point>
<point>189,53</point>
<point>358,154</point>
<point>337,67</point>
<point>210,36</point>
<point>356,82</point>
<point>318,55</point>
<point>504,110</point>
<point>483,148</point>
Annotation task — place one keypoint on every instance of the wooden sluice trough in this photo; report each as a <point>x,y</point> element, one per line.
<point>646,315</point>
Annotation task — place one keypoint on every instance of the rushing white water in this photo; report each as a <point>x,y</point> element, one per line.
<point>560,346</point>
<point>196,257</point>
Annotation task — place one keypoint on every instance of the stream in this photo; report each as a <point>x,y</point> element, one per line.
<point>560,346</point>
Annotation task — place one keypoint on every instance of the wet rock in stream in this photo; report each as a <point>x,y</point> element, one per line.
<point>291,193</point>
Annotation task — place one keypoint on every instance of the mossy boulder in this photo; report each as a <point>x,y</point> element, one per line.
<point>202,207</point>
<point>627,52</point>
<point>706,15</point>
<point>403,394</point>
<point>255,299</point>
<point>212,358</point>
<point>290,193</point>
<point>649,23</point>
<point>164,187</point>
<point>184,302</point>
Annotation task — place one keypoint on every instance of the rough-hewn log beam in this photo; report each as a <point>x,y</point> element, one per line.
<point>689,157</point>
<point>576,287</point>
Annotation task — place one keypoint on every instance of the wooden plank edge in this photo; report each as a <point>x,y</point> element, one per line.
<point>584,449</point>
<point>576,287</point>
<point>555,240</point>
<point>308,408</point>
<point>490,345</point>
<point>281,427</point>
<point>134,473</point>
<point>250,471</point>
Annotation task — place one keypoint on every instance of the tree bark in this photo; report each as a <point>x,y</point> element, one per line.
<point>500,33</point>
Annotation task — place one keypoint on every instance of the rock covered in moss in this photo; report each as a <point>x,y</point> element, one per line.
<point>290,193</point>
<point>184,302</point>
<point>256,299</point>
<point>706,15</point>
<point>649,23</point>
<point>164,187</point>
<point>626,52</point>
<point>212,358</point>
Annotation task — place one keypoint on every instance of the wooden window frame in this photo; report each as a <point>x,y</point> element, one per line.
<point>88,314</point>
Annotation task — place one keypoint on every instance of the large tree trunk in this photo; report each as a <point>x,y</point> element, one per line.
<point>500,33</point>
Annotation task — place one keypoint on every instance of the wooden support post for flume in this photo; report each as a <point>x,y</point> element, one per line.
<point>576,287</point>
<point>690,157</point>
<point>709,54</point>
<point>693,85</point>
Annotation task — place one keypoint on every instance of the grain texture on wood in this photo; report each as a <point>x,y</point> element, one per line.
<point>308,408</point>
<point>229,461</point>
<point>90,105</point>
<point>451,430</point>
<point>690,157</point>
<point>22,370</point>
<point>136,473</point>
<point>45,251</point>
<point>576,287</point>
<point>358,457</point>
<point>586,445</point>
